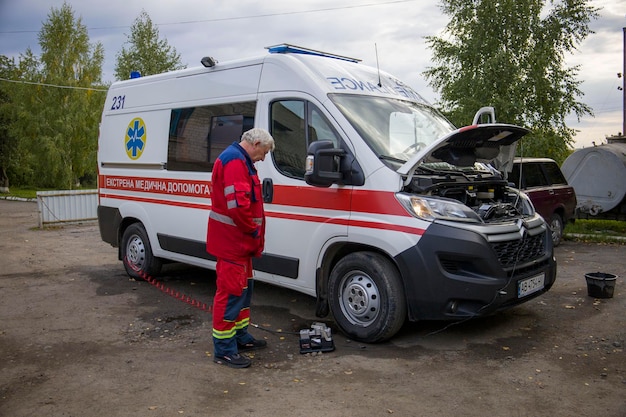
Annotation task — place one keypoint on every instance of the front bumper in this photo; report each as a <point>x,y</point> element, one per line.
<point>456,272</point>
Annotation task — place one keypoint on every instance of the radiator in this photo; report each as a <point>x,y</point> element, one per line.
<point>66,206</point>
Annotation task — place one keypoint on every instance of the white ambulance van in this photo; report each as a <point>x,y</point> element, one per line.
<point>376,204</point>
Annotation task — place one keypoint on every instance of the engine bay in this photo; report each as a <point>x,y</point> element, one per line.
<point>487,194</point>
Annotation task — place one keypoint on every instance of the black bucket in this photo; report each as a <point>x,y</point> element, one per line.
<point>600,285</point>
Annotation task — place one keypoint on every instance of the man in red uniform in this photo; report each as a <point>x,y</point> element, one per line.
<point>236,233</point>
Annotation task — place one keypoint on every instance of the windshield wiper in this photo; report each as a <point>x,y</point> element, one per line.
<point>391,158</point>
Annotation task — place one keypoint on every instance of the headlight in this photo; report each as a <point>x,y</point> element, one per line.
<point>432,208</point>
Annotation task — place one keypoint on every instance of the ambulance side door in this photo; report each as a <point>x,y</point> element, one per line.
<point>301,219</point>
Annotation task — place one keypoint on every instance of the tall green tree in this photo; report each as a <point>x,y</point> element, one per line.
<point>146,53</point>
<point>8,144</point>
<point>59,104</point>
<point>510,54</point>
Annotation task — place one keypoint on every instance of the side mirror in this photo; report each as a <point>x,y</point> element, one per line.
<point>322,164</point>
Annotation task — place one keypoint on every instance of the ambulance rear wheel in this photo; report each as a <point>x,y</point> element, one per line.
<point>137,253</point>
<point>367,297</point>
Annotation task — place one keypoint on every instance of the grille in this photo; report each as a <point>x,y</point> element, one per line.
<point>519,251</point>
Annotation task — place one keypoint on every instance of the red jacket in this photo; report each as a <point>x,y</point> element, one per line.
<point>236,228</point>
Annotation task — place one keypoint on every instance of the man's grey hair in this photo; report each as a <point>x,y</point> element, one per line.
<point>259,135</point>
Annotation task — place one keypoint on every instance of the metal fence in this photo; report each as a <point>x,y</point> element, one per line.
<point>66,206</point>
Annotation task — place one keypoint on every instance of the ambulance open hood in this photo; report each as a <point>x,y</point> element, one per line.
<point>492,143</point>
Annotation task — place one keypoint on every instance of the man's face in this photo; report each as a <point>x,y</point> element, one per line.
<point>258,152</point>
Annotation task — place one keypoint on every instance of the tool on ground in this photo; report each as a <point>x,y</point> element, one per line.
<point>316,339</point>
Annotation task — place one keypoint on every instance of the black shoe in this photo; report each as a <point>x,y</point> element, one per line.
<point>253,345</point>
<point>234,361</point>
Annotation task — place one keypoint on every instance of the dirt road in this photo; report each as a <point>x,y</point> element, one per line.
<point>78,338</point>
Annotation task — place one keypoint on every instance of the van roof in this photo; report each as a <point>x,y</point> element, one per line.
<point>329,66</point>
<point>285,68</point>
<point>280,49</point>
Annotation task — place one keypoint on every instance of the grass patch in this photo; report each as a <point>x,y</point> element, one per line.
<point>21,192</point>
<point>596,230</point>
<point>30,192</point>
<point>598,226</point>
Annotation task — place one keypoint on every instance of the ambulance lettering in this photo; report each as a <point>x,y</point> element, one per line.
<point>397,89</point>
<point>351,84</point>
<point>120,183</point>
<point>188,188</point>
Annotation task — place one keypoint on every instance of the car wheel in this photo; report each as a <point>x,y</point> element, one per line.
<point>556,226</point>
<point>138,258</point>
<point>367,297</point>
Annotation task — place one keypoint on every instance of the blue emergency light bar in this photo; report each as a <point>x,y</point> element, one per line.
<point>285,48</point>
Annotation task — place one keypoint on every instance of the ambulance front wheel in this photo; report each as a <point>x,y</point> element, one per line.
<point>137,253</point>
<point>367,297</point>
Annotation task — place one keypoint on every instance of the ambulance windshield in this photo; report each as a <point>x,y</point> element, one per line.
<point>394,129</point>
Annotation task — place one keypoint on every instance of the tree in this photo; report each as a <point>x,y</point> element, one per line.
<point>59,104</point>
<point>146,54</point>
<point>510,54</point>
<point>8,144</point>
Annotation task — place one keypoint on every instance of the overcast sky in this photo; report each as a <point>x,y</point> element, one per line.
<point>242,28</point>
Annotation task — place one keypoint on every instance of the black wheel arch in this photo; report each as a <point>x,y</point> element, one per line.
<point>124,224</point>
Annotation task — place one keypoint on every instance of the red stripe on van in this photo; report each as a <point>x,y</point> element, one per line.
<point>171,186</point>
<point>362,201</point>
<point>307,218</point>
<point>387,226</point>
<point>383,202</point>
<point>278,215</point>
<point>357,200</point>
<point>312,197</point>
<point>158,201</point>
<point>347,222</point>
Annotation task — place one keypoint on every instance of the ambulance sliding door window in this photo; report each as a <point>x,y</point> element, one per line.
<point>294,125</point>
<point>199,134</point>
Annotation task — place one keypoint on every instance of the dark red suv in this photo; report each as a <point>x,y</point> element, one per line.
<point>554,199</point>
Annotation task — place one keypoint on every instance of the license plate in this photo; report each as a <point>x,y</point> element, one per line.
<point>530,285</point>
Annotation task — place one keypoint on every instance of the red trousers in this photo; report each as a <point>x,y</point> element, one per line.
<point>231,305</point>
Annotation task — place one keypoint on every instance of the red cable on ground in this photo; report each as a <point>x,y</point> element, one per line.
<point>187,299</point>
<point>176,294</point>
